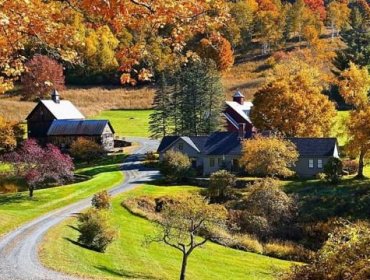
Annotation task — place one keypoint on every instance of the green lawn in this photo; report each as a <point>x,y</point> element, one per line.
<point>128,122</point>
<point>319,201</point>
<point>18,208</point>
<point>128,257</point>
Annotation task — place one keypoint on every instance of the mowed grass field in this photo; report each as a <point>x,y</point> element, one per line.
<point>18,208</point>
<point>128,122</point>
<point>129,258</point>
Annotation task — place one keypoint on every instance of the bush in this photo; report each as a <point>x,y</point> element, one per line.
<point>86,150</point>
<point>350,167</point>
<point>333,170</point>
<point>95,231</point>
<point>321,176</point>
<point>287,251</point>
<point>175,166</point>
<point>268,211</point>
<point>101,200</point>
<point>220,184</point>
<point>344,256</point>
<point>8,188</point>
<point>42,75</point>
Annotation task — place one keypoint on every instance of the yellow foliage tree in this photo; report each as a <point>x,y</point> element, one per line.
<point>358,144</point>
<point>354,85</point>
<point>10,132</point>
<point>269,156</point>
<point>292,103</point>
<point>338,14</point>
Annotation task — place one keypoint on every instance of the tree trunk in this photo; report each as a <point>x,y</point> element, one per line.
<point>31,188</point>
<point>183,267</point>
<point>360,174</point>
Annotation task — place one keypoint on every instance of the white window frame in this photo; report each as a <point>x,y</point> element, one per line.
<point>319,164</point>
<point>311,163</point>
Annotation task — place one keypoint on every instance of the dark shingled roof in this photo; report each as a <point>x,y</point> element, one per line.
<point>78,127</point>
<point>218,143</point>
<point>315,146</point>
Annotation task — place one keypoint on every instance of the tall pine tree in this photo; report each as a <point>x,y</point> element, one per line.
<point>191,103</point>
<point>357,39</point>
<point>160,119</point>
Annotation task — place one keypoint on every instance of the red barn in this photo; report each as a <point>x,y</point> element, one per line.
<point>237,115</point>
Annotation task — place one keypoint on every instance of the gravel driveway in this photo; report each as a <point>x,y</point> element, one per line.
<point>18,249</point>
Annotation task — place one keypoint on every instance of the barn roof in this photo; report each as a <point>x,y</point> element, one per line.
<point>242,110</point>
<point>78,127</point>
<point>64,110</point>
<point>323,147</point>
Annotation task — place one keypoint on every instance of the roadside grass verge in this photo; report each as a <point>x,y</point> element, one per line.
<point>18,208</point>
<point>128,257</point>
<point>128,122</point>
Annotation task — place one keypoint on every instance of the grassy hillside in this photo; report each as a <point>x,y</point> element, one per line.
<point>18,208</point>
<point>128,122</point>
<point>128,257</point>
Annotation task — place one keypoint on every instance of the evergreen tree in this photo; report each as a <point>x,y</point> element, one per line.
<point>357,39</point>
<point>190,102</point>
<point>160,119</point>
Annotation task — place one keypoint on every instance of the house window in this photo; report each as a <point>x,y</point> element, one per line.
<point>212,162</point>
<point>181,146</point>
<point>310,163</point>
<point>319,163</point>
<point>219,161</point>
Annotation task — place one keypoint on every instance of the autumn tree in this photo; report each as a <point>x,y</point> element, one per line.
<point>338,15</point>
<point>10,134</point>
<point>318,7</point>
<point>37,165</point>
<point>354,86</point>
<point>31,27</point>
<point>270,23</point>
<point>219,50</point>
<point>269,156</point>
<point>175,166</point>
<point>343,256</point>
<point>220,184</point>
<point>291,101</point>
<point>240,27</point>
<point>187,225</point>
<point>42,75</point>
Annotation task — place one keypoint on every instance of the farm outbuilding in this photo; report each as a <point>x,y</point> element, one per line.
<point>59,122</point>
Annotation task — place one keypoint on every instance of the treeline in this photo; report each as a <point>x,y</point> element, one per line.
<point>131,41</point>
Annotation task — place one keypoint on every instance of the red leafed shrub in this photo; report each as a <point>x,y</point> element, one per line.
<point>42,75</point>
<point>39,165</point>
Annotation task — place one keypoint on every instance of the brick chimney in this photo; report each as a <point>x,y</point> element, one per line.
<point>238,97</point>
<point>55,96</point>
<point>241,132</point>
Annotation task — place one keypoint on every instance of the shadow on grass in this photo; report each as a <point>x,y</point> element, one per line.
<point>125,274</point>
<point>320,201</point>
<point>15,198</point>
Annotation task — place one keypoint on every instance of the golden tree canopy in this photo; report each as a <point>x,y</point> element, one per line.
<point>269,156</point>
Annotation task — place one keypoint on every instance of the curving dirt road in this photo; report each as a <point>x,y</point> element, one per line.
<point>18,249</point>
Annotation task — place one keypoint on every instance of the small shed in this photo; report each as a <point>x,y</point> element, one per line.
<point>63,133</point>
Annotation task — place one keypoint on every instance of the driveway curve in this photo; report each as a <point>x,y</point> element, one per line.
<point>18,249</point>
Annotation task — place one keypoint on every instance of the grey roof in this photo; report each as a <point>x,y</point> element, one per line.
<point>64,110</point>
<point>218,143</point>
<point>78,127</point>
<point>238,94</point>
<point>315,146</point>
